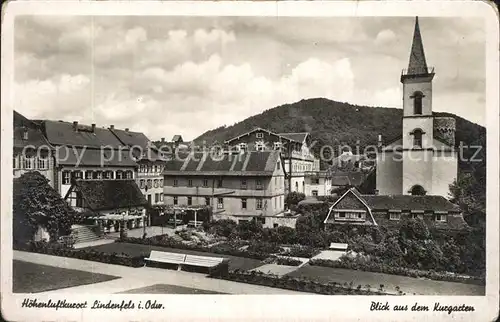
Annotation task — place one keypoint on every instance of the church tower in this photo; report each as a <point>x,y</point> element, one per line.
<point>417,136</point>
<point>423,160</point>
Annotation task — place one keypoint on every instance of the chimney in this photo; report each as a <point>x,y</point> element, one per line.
<point>162,140</point>
<point>126,130</point>
<point>25,134</point>
<point>379,143</point>
<point>75,126</point>
<point>112,127</point>
<point>93,127</point>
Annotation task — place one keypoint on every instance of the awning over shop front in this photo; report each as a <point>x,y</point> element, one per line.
<point>117,217</point>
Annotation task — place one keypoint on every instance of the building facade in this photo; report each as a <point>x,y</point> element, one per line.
<point>87,153</point>
<point>150,163</point>
<point>113,202</point>
<point>353,208</point>
<point>423,160</point>
<point>317,183</point>
<point>31,150</point>
<point>239,186</point>
<point>294,148</point>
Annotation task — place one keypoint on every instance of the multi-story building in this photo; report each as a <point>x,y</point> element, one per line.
<point>239,186</point>
<point>150,163</point>
<point>353,208</point>
<point>31,150</point>
<point>88,153</point>
<point>294,148</point>
<point>317,183</point>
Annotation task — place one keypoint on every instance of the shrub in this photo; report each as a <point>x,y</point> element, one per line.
<point>287,261</point>
<point>301,251</point>
<point>265,247</point>
<point>293,199</point>
<point>223,227</point>
<point>57,249</point>
<point>296,284</point>
<point>359,263</point>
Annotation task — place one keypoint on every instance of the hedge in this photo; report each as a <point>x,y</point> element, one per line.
<point>297,284</point>
<point>287,261</point>
<point>395,270</point>
<point>301,251</point>
<point>217,249</point>
<point>85,254</point>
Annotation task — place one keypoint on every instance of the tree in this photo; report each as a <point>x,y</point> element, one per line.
<point>293,198</point>
<point>470,195</point>
<point>37,204</point>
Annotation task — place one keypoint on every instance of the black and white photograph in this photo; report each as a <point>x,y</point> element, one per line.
<point>266,154</point>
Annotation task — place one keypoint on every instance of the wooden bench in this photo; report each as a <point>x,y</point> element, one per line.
<point>338,246</point>
<point>202,261</point>
<point>192,223</point>
<point>173,221</point>
<point>164,257</point>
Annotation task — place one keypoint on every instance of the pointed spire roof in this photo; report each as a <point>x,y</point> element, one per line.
<point>417,64</point>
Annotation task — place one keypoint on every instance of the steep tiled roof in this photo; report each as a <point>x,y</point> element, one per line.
<point>110,194</point>
<point>62,133</point>
<point>297,137</point>
<point>253,163</point>
<point>407,202</point>
<point>139,143</point>
<point>34,137</point>
<point>131,138</point>
<point>93,157</point>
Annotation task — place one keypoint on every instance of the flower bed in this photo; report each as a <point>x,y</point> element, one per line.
<point>370,266</point>
<point>296,284</point>
<point>85,254</point>
<point>223,249</point>
<point>301,251</point>
<point>287,261</point>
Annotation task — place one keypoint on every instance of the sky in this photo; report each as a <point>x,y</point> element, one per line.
<point>186,75</point>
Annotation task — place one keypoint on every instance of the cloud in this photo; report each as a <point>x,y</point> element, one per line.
<point>385,36</point>
<point>188,75</point>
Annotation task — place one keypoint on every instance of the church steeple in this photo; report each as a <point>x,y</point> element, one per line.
<point>417,65</point>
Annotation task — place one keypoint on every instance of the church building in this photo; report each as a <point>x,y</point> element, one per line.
<point>423,160</point>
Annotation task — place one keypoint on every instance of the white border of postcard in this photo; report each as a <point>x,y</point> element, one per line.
<point>247,307</point>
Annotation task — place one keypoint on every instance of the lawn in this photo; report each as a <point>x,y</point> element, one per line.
<point>409,285</point>
<point>167,289</point>
<point>34,278</point>
<point>240,263</point>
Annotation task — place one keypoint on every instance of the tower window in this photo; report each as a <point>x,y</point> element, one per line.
<point>417,138</point>
<point>417,190</point>
<point>417,103</point>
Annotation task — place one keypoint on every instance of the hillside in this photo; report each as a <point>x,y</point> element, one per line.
<point>334,123</point>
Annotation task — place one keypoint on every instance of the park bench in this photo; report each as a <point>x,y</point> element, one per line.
<point>173,221</point>
<point>338,246</point>
<point>189,262</point>
<point>165,258</point>
<point>192,223</point>
<point>202,261</point>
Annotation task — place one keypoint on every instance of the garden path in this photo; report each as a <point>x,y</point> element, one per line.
<point>133,278</point>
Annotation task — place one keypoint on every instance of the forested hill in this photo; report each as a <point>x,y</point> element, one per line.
<point>333,123</point>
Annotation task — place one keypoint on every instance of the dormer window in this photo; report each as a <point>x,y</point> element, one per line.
<point>417,102</point>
